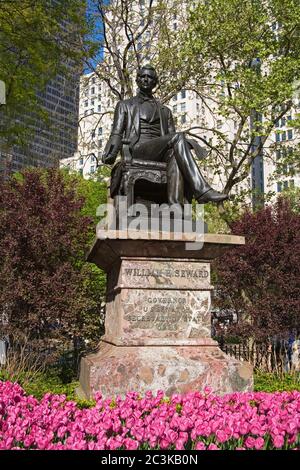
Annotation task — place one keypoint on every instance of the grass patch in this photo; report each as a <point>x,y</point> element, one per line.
<point>53,381</point>
<point>50,381</point>
<point>274,382</point>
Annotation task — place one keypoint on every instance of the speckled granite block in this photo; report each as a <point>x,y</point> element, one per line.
<point>158,323</point>
<point>175,369</point>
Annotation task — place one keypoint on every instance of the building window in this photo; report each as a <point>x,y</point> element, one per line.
<point>290,134</point>
<point>279,187</point>
<point>183,107</point>
<point>92,169</point>
<point>175,108</point>
<point>100,131</point>
<point>92,158</point>
<point>86,112</point>
<point>100,143</point>
<point>92,102</point>
<point>286,185</point>
<point>93,80</point>
<point>175,98</point>
<point>99,108</point>
<point>81,161</point>
<point>175,26</point>
<point>183,119</point>
<point>283,136</point>
<point>283,120</point>
<point>81,171</point>
<point>93,134</point>
<point>92,90</point>
<point>86,103</point>
<point>183,94</point>
<point>219,124</point>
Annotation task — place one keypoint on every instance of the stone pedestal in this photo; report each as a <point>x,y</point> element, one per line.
<point>158,320</point>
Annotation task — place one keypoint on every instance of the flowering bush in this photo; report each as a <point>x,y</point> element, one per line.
<point>193,421</point>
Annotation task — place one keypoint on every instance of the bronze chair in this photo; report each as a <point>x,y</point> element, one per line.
<point>138,171</point>
<point>129,176</point>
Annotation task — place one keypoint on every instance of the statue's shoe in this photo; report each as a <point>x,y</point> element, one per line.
<point>212,196</point>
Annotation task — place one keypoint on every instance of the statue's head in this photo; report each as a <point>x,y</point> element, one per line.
<point>147,78</point>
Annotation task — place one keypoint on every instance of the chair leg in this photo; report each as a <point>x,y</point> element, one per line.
<point>130,195</point>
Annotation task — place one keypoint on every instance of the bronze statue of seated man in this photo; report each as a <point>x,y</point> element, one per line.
<point>147,126</point>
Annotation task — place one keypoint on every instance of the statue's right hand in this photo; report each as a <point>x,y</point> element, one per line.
<point>111,150</point>
<point>109,155</point>
<point>108,159</point>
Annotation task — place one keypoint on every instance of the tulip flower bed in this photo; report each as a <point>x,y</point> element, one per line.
<point>193,421</point>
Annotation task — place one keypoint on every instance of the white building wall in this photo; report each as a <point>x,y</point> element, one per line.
<point>282,140</point>
<point>96,113</point>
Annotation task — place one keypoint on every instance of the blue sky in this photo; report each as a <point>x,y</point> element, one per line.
<point>94,16</point>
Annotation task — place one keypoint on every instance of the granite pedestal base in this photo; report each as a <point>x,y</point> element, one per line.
<point>158,321</point>
<point>115,370</point>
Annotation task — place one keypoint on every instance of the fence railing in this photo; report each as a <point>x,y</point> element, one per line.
<point>268,357</point>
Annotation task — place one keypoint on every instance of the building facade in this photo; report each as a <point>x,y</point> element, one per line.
<point>57,138</point>
<point>97,103</point>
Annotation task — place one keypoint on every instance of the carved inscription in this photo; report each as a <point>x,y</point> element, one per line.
<point>163,312</point>
<point>171,273</point>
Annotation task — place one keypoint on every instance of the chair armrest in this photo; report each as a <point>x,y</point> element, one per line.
<point>126,154</point>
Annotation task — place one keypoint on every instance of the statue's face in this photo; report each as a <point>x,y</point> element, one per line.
<point>146,80</point>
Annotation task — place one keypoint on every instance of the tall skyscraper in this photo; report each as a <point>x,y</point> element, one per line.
<point>57,138</point>
<point>52,128</point>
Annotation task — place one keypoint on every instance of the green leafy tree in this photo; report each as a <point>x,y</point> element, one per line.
<point>241,58</point>
<point>244,64</point>
<point>38,40</point>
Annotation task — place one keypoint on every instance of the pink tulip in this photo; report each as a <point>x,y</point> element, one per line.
<point>200,446</point>
<point>213,447</point>
<point>54,423</point>
<point>278,441</point>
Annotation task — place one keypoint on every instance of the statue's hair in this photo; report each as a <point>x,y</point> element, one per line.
<point>147,67</point>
